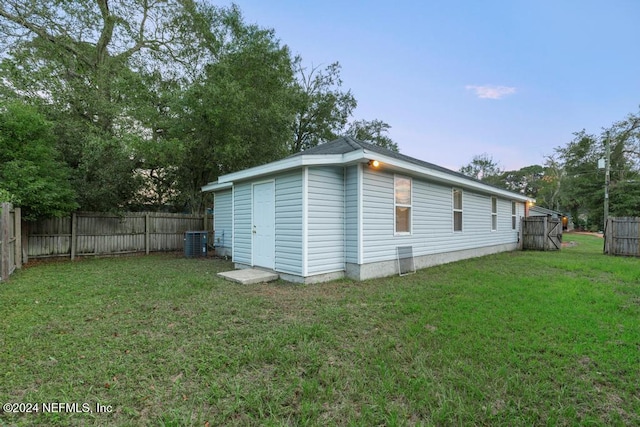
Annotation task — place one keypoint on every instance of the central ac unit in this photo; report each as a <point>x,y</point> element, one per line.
<point>195,244</point>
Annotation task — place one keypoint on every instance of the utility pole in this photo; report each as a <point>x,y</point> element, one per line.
<point>607,167</point>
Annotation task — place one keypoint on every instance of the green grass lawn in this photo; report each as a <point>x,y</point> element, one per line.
<point>523,338</point>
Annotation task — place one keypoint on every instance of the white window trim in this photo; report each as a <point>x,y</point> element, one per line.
<point>514,215</point>
<point>396,205</point>
<point>454,210</point>
<point>494,214</point>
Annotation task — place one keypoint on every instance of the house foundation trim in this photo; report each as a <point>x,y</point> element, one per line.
<point>389,268</point>
<point>380,269</point>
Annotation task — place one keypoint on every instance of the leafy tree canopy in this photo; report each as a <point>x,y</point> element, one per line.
<point>151,100</point>
<point>239,113</point>
<point>322,107</point>
<point>374,132</point>
<point>571,179</point>
<point>30,173</point>
<point>93,67</point>
<point>482,167</point>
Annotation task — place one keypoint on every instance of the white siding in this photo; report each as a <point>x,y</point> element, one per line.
<point>351,214</point>
<point>326,227</point>
<point>222,219</point>
<point>242,218</point>
<point>289,223</point>
<point>378,227</point>
<point>432,208</point>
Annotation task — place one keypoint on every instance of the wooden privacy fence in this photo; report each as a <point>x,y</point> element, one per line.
<point>541,233</point>
<point>10,240</point>
<point>87,233</point>
<point>622,236</point>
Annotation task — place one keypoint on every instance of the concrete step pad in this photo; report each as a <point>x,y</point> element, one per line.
<point>249,276</point>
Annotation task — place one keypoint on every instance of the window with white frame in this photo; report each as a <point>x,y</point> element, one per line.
<point>494,214</point>
<point>514,212</point>
<point>457,209</point>
<point>402,194</point>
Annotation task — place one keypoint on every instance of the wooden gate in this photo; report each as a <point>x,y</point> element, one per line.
<point>622,236</point>
<point>554,235</point>
<point>541,233</point>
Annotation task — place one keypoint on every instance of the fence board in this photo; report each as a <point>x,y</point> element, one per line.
<point>88,233</point>
<point>622,236</point>
<point>10,240</point>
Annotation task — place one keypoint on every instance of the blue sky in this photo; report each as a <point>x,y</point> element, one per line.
<point>513,79</point>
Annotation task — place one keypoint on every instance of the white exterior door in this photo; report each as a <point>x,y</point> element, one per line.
<point>263,227</point>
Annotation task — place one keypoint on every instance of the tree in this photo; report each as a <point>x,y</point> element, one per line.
<point>150,100</point>
<point>89,66</point>
<point>550,192</point>
<point>626,137</point>
<point>374,132</point>
<point>239,113</point>
<point>624,197</point>
<point>159,152</point>
<point>482,167</point>
<point>322,108</point>
<point>624,188</point>
<point>582,188</point>
<point>583,185</point>
<point>526,180</point>
<point>30,171</point>
<point>5,196</point>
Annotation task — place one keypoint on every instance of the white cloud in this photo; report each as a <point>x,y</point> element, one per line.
<point>491,92</point>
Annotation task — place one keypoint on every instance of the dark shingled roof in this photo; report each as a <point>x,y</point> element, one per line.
<point>342,145</point>
<point>346,144</point>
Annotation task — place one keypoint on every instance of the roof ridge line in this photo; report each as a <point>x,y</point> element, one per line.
<point>354,143</point>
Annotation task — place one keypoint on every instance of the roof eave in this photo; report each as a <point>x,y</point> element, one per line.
<point>216,186</point>
<point>358,156</point>
<point>444,177</point>
<point>292,163</point>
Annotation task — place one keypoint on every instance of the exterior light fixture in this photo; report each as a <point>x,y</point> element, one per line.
<point>374,163</point>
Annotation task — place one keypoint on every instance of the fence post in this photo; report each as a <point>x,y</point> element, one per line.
<point>4,241</point>
<point>24,231</point>
<point>638,250</point>
<point>17,227</point>
<point>74,235</point>
<point>604,236</point>
<point>613,243</point>
<point>147,230</point>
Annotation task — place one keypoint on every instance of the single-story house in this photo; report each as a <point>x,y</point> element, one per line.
<point>344,208</point>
